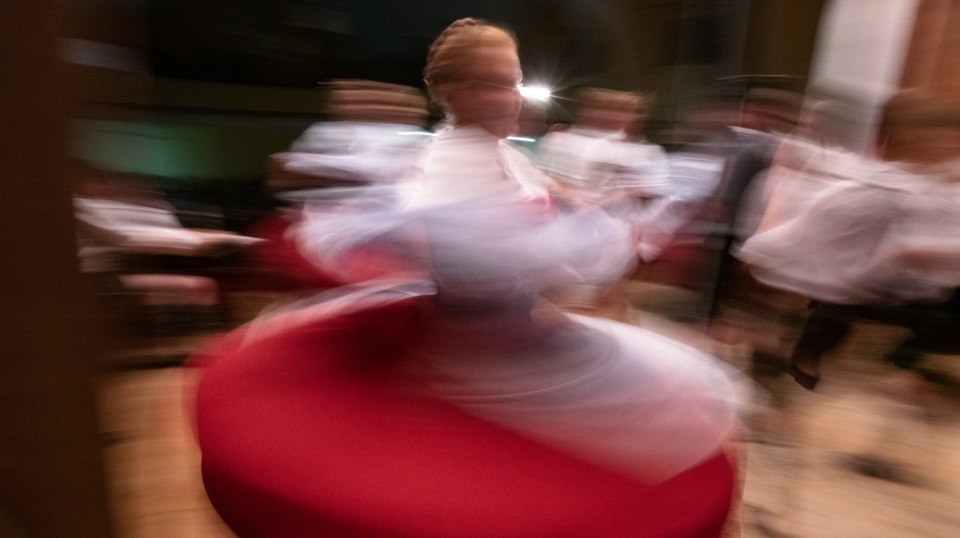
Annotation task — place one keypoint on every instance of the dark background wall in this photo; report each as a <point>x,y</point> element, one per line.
<point>220,84</point>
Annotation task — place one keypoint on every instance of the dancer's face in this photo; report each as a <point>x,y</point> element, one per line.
<point>487,93</point>
<point>610,118</point>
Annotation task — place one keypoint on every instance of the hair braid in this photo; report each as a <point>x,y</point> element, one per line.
<point>430,71</point>
<point>461,35</point>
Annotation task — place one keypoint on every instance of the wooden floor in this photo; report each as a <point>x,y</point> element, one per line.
<point>799,476</point>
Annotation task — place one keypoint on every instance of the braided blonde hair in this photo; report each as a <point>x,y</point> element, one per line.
<point>446,57</point>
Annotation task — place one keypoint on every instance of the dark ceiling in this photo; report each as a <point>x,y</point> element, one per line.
<point>302,42</point>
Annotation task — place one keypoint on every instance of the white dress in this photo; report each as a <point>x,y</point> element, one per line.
<point>620,397</point>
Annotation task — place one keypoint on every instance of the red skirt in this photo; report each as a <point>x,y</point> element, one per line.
<point>311,431</point>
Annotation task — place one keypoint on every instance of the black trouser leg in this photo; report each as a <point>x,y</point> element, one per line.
<point>826,327</point>
<point>936,329</point>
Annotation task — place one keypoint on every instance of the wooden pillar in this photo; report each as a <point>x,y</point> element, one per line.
<point>934,48</point>
<point>51,471</point>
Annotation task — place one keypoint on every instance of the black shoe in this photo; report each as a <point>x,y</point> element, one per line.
<point>879,468</point>
<point>804,379</point>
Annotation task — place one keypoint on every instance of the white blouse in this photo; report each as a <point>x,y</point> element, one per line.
<point>612,394</point>
<point>837,229</point>
<point>466,163</point>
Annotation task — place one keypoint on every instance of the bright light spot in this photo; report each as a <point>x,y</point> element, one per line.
<point>535,93</point>
<point>521,139</point>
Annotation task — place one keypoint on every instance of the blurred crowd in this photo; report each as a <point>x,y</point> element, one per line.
<point>753,205</point>
<point>753,201</point>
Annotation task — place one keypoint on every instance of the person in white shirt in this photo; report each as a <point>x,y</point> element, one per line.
<point>872,239</point>
<point>373,136</point>
<point>597,161</point>
<point>476,221</point>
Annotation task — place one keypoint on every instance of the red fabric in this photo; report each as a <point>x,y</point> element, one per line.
<point>279,254</point>
<point>310,433</point>
<point>680,264</point>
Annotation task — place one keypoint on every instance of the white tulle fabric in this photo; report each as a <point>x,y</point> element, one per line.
<point>476,221</point>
